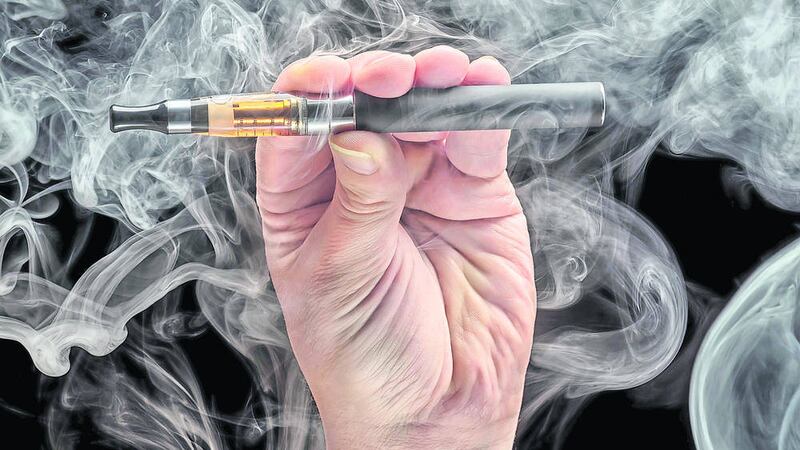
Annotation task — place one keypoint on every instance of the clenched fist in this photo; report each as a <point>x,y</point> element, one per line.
<point>402,264</point>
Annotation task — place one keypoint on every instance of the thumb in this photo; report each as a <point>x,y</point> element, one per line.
<point>359,232</point>
<point>371,179</point>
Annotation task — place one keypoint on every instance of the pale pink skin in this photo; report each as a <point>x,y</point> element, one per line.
<point>402,264</point>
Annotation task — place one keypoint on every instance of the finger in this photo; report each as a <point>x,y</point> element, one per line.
<point>288,163</point>
<point>440,67</point>
<point>382,74</point>
<point>316,74</point>
<point>486,70</point>
<point>294,174</point>
<point>295,181</point>
<point>437,67</point>
<point>441,190</point>
<point>481,153</point>
<point>359,231</point>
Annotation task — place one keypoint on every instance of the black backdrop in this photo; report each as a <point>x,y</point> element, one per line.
<point>717,237</point>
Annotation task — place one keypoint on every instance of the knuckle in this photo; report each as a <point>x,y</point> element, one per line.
<point>357,207</point>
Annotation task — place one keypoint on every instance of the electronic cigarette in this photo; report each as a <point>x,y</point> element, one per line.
<point>521,106</point>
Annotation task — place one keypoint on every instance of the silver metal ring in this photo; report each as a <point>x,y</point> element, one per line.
<point>330,115</point>
<point>179,116</point>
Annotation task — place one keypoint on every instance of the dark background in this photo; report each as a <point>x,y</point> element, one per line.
<point>717,237</point>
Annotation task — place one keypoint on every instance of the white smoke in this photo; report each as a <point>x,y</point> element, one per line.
<point>701,78</point>
<point>745,390</point>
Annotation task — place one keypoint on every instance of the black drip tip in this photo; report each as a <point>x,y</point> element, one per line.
<point>150,117</point>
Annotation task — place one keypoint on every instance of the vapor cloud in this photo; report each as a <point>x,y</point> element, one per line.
<point>745,390</point>
<point>702,79</point>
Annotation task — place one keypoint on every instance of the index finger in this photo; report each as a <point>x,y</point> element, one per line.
<point>286,164</point>
<point>315,75</point>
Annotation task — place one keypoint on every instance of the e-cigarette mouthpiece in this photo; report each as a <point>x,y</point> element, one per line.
<point>523,106</point>
<point>169,116</point>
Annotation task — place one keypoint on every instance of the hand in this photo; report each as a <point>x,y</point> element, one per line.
<point>402,264</point>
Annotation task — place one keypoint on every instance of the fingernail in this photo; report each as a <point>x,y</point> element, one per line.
<point>359,162</point>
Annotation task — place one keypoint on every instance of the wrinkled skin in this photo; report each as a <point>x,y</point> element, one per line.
<point>402,264</point>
